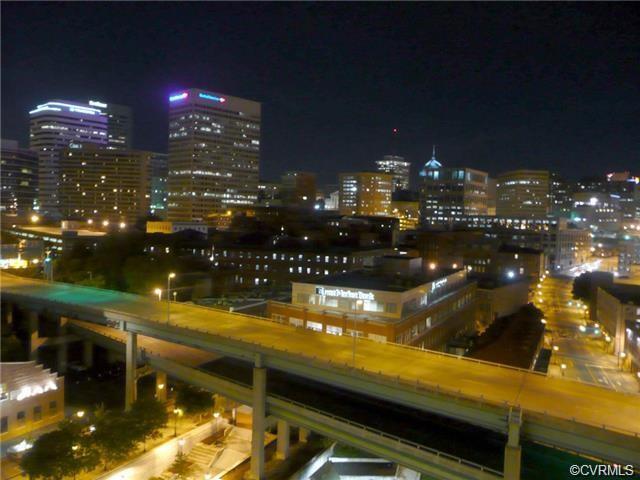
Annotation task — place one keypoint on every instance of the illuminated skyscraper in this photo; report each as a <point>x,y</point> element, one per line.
<point>523,193</point>
<point>214,154</point>
<point>119,124</point>
<point>56,125</point>
<point>366,193</point>
<point>448,192</point>
<point>105,184</point>
<point>398,167</point>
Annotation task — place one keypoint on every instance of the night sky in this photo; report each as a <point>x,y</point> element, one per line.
<point>495,86</point>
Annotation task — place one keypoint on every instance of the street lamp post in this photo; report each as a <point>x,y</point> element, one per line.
<point>621,358</point>
<point>176,413</point>
<point>169,277</point>
<point>158,291</point>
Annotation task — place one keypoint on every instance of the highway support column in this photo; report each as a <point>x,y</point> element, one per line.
<point>7,313</point>
<point>303,435</point>
<point>130,370</point>
<point>284,433</point>
<point>62,348</point>
<point>161,386</point>
<point>513,450</point>
<point>87,353</point>
<point>34,339</point>
<point>256,471</point>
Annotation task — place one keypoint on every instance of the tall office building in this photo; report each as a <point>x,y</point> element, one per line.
<point>119,124</point>
<point>298,188</point>
<point>398,167</point>
<point>18,178</point>
<point>56,125</point>
<point>622,185</point>
<point>101,184</point>
<point>366,193</point>
<point>523,193</point>
<point>214,154</point>
<point>449,192</point>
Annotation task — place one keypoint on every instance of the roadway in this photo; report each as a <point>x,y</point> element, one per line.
<point>585,354</point>
<point>535,394</point>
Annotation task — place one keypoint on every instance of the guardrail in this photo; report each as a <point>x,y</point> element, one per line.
<point>400,440</point>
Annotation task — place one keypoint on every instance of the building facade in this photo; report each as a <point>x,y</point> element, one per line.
<point>105,185</point>
<point>618,311</point>
<point>523,193</point>
<point>597,211</point>
<point>241,267</point>
<point>399,168</point>
<point>18,178</point>
<point>31,399</point>
<point>214,154</point>
<point>422,310</point>
<point>56,125</point>
<point>447,193</point>
<point>365,193</point>
<point>298,189</point>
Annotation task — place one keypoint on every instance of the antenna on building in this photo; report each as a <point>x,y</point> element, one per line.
<point>394,141</point>
<point>432,164</point>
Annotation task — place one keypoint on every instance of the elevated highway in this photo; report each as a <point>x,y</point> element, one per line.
<point>570,415</point>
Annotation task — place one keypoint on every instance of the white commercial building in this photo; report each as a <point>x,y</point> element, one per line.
<point>56,125</point>
<point>214,154</point>
<point>31,400</point>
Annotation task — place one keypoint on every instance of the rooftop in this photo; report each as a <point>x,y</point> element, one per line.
<point>624,292</point>
<point>57,231</point>
<point>505,248</point>
<point>374,280</point>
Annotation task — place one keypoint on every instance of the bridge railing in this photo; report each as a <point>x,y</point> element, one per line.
<point>179,305</point>
<point>395,438</point>
<point>400,440</point>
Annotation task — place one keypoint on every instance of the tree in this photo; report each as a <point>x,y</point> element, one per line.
<point>148,416</point>
<point>115,436</point>
<point>581,289</point>
<point>181,466</point>
<point>193,400</point>
<point>62,453</point>
<point>11,349</point>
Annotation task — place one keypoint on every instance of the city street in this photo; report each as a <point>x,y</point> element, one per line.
<point>577,354</point>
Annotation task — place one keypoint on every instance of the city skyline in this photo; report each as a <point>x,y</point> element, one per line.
<point>432,87</point>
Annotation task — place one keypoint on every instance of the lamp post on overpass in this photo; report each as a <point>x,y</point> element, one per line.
<point>169,277</point>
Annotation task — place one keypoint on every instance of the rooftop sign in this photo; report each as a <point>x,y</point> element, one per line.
<point>342,293</point>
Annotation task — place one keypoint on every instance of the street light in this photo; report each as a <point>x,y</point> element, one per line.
<point>563,367</point>
<point>177,412</point>
<point>35,218</point>
<point>158,291</point>
<point>169,277</point>
<point>80,413</point>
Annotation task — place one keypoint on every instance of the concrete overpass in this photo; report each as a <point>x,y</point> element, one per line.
<point>180,362</point>
<point>577,417</point>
